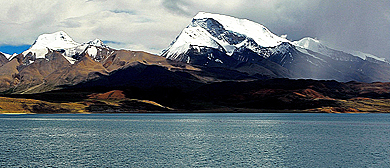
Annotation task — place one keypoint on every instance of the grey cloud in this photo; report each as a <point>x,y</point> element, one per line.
<point>70,23</point>
<point>130,12</point>
<point>358,25</point>
<point>177,6</point>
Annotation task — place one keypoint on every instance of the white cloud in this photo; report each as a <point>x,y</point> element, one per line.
<point>128,22</point>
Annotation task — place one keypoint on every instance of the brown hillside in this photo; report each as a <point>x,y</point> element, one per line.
<point>9,75</point>
<point>310,93</point>
<point>83,70</point>
<point>115,94</point>
<point>55,71</point>
<point>122,58</point>
<point>376,88</point>
<point>34,74</point>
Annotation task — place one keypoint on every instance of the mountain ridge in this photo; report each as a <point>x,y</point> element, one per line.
<point>209,41</point>
<point>216,63</point>
<point>56,61</point>
<point>212,48</point>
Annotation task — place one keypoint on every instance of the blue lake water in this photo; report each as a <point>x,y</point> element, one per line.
<point>195,140</point>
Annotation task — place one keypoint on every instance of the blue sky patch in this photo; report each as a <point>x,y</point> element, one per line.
<point>10,49</point>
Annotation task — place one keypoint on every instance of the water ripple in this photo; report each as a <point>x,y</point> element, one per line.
<point>200,140</point>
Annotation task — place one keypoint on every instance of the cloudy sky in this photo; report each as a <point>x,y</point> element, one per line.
<point>151,25</point>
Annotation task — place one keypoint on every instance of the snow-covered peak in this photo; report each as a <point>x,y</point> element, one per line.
<point>192,36</point>
<point>224,33</point>
<point>259,33</point>
<point>53,41</point>
<point>61,42</point>
<point>57,40</point>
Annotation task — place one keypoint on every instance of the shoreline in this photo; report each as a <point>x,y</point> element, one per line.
<point>206,112</point>
<point>17,113</point>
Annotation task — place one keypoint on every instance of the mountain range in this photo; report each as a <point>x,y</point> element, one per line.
<point>215,40</point>
<point>211,48</point>
<point>216,58</point>
<point>55,61</point>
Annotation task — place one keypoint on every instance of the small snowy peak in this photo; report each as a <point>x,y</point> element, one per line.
<point>97,43</point>
<point>8,56</point>
<point>12,56</point>
<point>259,33</point>
<point>316,46</point>
<point>310,44</point>
<point>91,48</point>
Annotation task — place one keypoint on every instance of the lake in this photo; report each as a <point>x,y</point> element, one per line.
<point>195,140</point>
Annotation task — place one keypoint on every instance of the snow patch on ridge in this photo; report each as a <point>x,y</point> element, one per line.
<point>70,60</point>
<point>12,56</point>
<point>365,56</point>
<point>8,56</point>
<point>92,51</point>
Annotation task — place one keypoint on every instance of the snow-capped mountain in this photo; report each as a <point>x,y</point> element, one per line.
<point>215,40</point>
<point>56,61</point>
<point>315,45</point>
<point>224,33</point>
<point>94,48</point>
<point>47,42</point>
<point>62,42</point>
